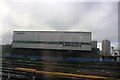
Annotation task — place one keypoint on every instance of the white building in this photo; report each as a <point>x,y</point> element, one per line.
<point>59,40</point>
<point>116,52</point>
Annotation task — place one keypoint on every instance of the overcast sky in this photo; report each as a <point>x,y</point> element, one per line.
<point>100,18</point>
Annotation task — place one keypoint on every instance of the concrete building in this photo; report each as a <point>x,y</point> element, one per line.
<point>94,44</point>
<point>52,43</point>
<point>106,47</point>
<point>94,48</point>
<point>58,40</point>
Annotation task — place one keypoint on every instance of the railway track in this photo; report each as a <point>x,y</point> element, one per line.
<point>59,70</point>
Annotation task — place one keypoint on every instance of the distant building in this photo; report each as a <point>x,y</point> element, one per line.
<point>116,52</point>
<point>94,44</point>
<point>58,40</point>
<point>106,50</point>
<point>52,43</point>
<point>94,48</point>
<point>5,49</point>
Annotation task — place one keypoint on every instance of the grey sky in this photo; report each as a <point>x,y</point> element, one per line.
<point>100,18</point>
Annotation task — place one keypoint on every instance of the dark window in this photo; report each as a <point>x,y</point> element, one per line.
<point>21,33</point>
<point>71,44</point>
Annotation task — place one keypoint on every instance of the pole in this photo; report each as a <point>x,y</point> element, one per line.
<point>8,76</point>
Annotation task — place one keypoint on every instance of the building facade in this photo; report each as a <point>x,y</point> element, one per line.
<point>57,40</point>
<point>106,47</point>
<point>94,48</point>
<point>94,44</point>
